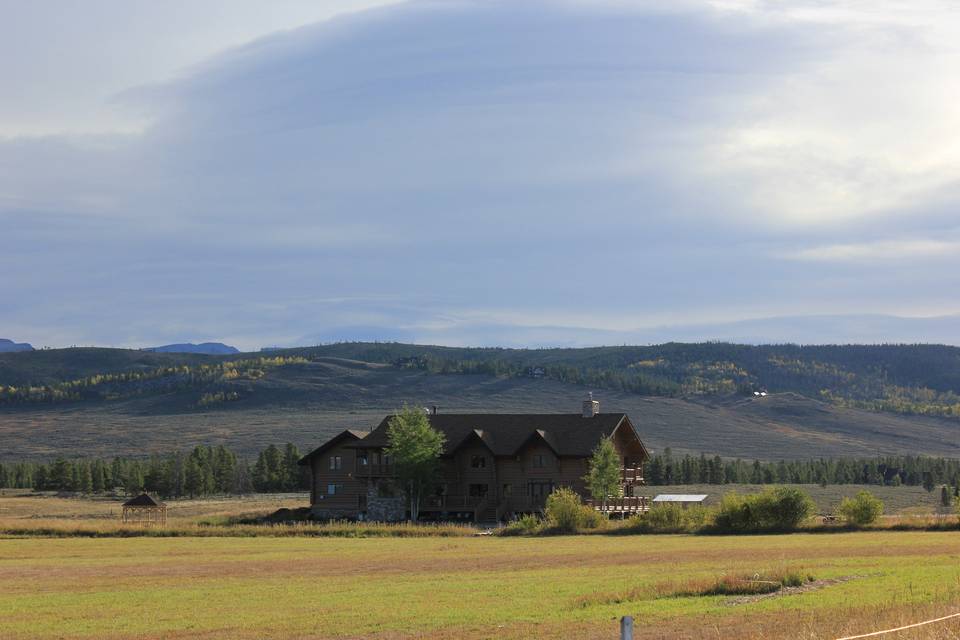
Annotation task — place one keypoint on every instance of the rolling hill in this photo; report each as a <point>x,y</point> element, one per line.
<point>9,346</point>
<point>138,402</point>
<point>209,348</point>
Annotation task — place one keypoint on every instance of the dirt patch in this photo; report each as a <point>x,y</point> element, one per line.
<point>815,585</point>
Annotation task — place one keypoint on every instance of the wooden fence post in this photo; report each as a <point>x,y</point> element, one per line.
<point>626,628</point>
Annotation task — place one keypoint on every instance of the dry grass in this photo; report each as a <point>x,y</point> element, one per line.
<point>727,584</point>
<point>20,504</point>
<point>25,514</point>
<point>467,587</point>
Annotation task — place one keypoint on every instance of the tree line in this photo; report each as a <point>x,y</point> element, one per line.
<point>112,386</point>
<point>200,472</point>
<point>929,472</point>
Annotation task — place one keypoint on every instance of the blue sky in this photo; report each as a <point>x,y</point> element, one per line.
<point>476,172</point>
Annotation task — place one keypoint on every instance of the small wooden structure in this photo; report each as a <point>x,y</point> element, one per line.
<point>144,510</point>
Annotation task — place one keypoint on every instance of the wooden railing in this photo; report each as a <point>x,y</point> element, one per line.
<point>375,469</point>
<point>626,504</point>
<point>523,503</point>
<point>631,475</point>
<point>453,502</point>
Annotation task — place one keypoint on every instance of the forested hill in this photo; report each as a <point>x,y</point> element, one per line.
<point>906,379</point>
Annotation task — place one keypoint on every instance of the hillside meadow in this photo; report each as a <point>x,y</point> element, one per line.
<point>130,405</point>
<point>471,587</point>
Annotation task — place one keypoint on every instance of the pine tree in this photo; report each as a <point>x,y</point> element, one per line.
<point>85,483</point>
<point>655,471</point>
<point>292,472</point>
<point>133,478</point>
<point>193,480</point>
<point>61,475</point>
<point>98,476</point>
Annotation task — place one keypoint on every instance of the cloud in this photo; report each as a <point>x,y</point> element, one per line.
<point>443,165</point>
<point>879,251</point>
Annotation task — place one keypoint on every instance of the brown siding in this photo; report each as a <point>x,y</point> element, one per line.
<point>505,475</point>
<point>345,500</point>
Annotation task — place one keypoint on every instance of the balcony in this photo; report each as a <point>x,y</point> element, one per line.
<point>631,475</point>
<point>452,503</point>
<point>374,469</point>
<point>621,506</point>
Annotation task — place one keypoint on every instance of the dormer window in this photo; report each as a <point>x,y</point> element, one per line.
<point>478,462</point>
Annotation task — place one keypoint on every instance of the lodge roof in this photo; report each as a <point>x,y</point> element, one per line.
<point>354,434</point>
<point>505,434</point>
<point>142,500</point>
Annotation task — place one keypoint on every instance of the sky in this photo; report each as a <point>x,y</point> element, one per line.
<point>479,172</point>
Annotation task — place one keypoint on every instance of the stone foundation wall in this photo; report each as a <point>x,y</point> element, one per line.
<point>385,509</point>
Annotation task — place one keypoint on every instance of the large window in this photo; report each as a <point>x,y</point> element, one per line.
<point>539,461</point>
<point>334,489</point>
<point>540,489</point>
<point>336,463</point>
<point>478,490</point>
<point>478,462</point>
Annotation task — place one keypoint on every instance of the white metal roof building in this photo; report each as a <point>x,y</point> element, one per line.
<point>685,498</point>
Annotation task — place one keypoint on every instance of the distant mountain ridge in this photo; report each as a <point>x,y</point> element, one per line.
<point>853,329</point>
<point>208,348</point>
<point>9,346</point>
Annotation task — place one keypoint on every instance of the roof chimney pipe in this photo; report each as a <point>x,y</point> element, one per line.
<point>590,406</point>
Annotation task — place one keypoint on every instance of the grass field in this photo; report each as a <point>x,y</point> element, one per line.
<point>465,586</point>
<point>570,587</point>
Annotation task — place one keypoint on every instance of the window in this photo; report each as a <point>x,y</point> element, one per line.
<point>507,490</point>
<point>539,461</point>
<point>336,463</point>
<point>478,462</point>
<point>362,458</point>
<point>539,489</point>
<point>478,490</point>
<point>334,489</point>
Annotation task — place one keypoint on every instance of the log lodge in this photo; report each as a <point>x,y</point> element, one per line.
<point>493,467</point>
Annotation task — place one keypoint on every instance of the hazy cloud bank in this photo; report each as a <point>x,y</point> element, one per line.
<point>479,172</point>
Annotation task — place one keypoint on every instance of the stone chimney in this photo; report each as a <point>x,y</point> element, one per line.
<point>590,406</point>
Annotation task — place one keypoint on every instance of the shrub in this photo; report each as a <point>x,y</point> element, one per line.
<point>567,514</point>
<point>590,518</point>
<point>736,584</point>
<point>526,525</point>
<point>663,517</point>
<point>669,518</point>
<point>862,509</point>
<point>780,509</point>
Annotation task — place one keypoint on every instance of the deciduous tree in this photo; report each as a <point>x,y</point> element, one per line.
<point>414,447</point>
